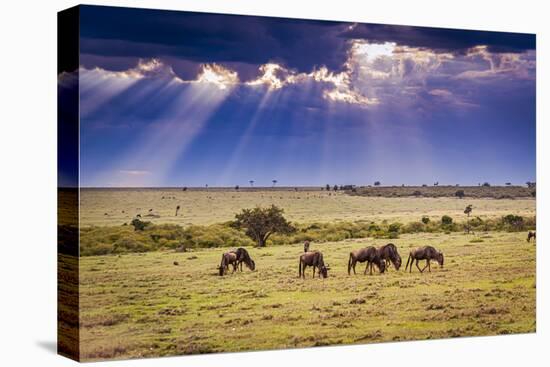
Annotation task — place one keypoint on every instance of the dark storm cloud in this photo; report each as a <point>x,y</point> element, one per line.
<point>201,37</point>
<point>442,39</point>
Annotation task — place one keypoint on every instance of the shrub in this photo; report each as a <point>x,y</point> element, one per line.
<point>425,219</point>
<point>513,222</point>
<point>413,227</point>
<point>125,245</point>
<point>393,235</point>
<point>394,227</point>
<point>139,225</point>
<point>446,220</point>
<point>460,194</point>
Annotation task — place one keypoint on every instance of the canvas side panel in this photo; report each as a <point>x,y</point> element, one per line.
<point>67,181</point>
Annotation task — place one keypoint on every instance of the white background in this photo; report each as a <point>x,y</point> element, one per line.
<point>28,179</point>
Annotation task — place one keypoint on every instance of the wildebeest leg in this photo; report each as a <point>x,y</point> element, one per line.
<point>314,271</point>
<point>353,265</point>
<point>300,269</point>
<point>429,267</point>
<point>406,266</point>
<point>417,261</point>
<point>366,268</point>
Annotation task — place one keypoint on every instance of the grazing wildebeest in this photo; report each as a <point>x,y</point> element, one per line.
<point>314,259</point>
<point>531,234</point>
<point>369,254</point>
<point>227,259</point>
<point>306,246</point>
<point>244,257</point>
<point>424,253</point>
<point>389,253</point>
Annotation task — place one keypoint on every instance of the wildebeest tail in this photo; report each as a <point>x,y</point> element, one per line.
<point>349,263</point>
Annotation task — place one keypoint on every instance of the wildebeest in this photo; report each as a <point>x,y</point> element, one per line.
<point>369,254</point>
<point>389,253</point>
<point>424,253</point>
<point>306,246</point>
<point>314,259</point>
<point>228,258</point>
<point>244,257</point>
<point>531,234</point>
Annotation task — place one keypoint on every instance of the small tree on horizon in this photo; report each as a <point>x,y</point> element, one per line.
<point>376,183</point>
<point>260,223</point>
<point>468,211</point>
<point>274,182</point>
<point>251,183</point>
<point>237,187</point>
<point>460,194</point>
<point>327,187</point>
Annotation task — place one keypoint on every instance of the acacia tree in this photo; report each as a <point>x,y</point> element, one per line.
<point>468,211</point>
<point>260,223</point>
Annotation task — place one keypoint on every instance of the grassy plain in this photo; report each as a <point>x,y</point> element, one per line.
<point>139,305</point>
<point>104,207</point>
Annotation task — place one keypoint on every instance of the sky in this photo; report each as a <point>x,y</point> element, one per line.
<point>194,99</point>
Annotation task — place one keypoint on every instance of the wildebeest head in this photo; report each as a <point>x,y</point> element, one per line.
<point>440,258</point>
<point>324,271</point>
<point>251,265</point>
<point>397,262</point>
<point>306,246</point>
<point>220,268</point>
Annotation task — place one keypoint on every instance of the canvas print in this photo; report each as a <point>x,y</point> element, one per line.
<point>239,183</point>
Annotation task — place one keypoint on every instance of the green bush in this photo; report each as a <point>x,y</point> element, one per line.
<point>414,227</point>
<point>446,220</point>
<point>124,239</point>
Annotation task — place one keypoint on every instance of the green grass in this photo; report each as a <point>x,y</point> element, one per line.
<point>138,305</point>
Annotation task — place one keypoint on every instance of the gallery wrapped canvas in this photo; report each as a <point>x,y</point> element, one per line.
<point>235,183</point>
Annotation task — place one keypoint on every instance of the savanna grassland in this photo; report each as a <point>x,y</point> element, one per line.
<point>164,302</point>
<point>117,206</point>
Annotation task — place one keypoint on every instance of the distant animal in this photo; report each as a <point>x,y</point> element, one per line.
<point>306,246</point>
<point>314,259</point>
<point>176,263</point>
<point>177,210</point>
<point>244,257</point>
<point>369,254</point>
<point>228,258</point>
<point>531,234</point>
<point>390,254</point>
<point>427,253</point>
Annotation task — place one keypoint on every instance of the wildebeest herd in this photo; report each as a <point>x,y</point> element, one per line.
<point>380,257</point>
